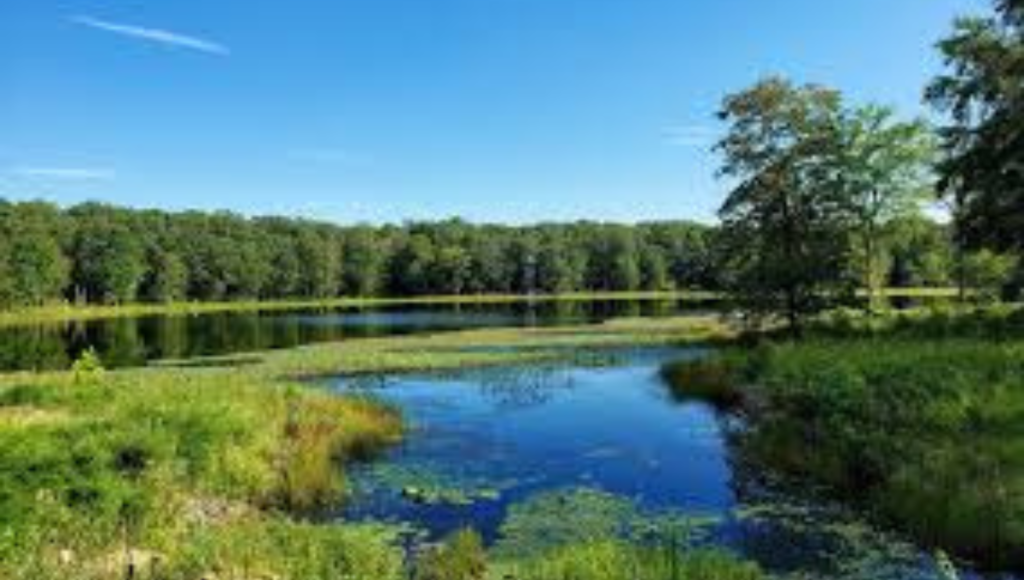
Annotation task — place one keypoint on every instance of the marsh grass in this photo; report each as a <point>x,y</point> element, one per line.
<point>917,418</point>
<point>460,557</point>
<point>611,560</point>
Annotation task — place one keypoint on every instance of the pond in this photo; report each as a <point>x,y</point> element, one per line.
<point>134,341</point>
<point>535,454</point>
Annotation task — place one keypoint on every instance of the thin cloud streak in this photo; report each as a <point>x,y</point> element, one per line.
<point>156,35</point>
<point>65,173</point>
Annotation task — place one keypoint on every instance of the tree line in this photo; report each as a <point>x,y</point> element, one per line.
<point>819,181</point>
<point>101,254</point>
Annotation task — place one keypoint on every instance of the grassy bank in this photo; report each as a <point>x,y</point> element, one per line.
<point>57,313</point>
<point>917,418</point>
<point>202,467</point>
<point>64,312</point>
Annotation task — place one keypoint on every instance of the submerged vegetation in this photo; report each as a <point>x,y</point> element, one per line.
<point>586,533</point>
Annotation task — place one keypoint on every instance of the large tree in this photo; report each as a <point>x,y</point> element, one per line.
<point>786,223</point>
<point>885,165</point>
<point>983,93</point>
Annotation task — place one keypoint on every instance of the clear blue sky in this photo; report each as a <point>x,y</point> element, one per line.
<point>385,110</point>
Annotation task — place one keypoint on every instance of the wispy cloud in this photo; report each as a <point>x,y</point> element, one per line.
<point>65,173</point>
<point>156,35</point>
<point>689,135</point>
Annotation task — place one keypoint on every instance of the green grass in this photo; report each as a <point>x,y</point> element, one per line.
<point>917,418</point>
<point>64,312</point>
<point>610,560</point>
<point>203,466</point>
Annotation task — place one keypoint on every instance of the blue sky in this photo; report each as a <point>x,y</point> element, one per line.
<point>386,110</point>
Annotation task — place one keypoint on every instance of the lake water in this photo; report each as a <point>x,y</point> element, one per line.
<point>135,341</point>
<point>493,448</point>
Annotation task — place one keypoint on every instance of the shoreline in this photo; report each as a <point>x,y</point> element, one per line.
<point>67,313</point>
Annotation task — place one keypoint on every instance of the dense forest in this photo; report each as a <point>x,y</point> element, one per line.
<point>101,254</point>
<point>95,253</point>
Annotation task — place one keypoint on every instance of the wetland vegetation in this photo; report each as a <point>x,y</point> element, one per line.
<point>822,385</point>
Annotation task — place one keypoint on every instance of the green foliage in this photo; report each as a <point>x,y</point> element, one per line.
<point>460,557</point>
<point>102,254</point>
<point>166,279</point>
<point>884,164</point>
<point>610,560</point>
<point>279,548</point>
<point>987,273</point>
<point>35,269</point>
<point>921,429</point>
<point>88,367</point>
<point>707,380</point>
<point>108,257</point>
<point>920,253</point>
<point>786,224</point>
<point>981,93</point>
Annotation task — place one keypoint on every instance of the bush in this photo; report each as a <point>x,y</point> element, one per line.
<point>88,368</point>
<point>460,557</point>
<point>707,380</point>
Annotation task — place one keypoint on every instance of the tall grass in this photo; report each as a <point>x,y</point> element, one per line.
<point>611,560</point>
<point>920,423</point>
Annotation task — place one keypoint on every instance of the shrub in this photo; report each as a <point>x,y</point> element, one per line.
<point>708,380</point>
<point>460,557</point>
<point>88,368</point>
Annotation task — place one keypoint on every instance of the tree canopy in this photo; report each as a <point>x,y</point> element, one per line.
<point>982,91</point>
<point>98,253</point>
<point>785,223</point>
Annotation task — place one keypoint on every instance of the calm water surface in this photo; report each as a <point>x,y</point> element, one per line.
<point>486,441</point>
<point>135,341</point>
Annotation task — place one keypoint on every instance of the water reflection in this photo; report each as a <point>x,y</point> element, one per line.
<point>134,341</point>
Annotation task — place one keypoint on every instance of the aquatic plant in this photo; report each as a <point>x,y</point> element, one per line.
<point>586,516</point>
<point>611,560</point>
